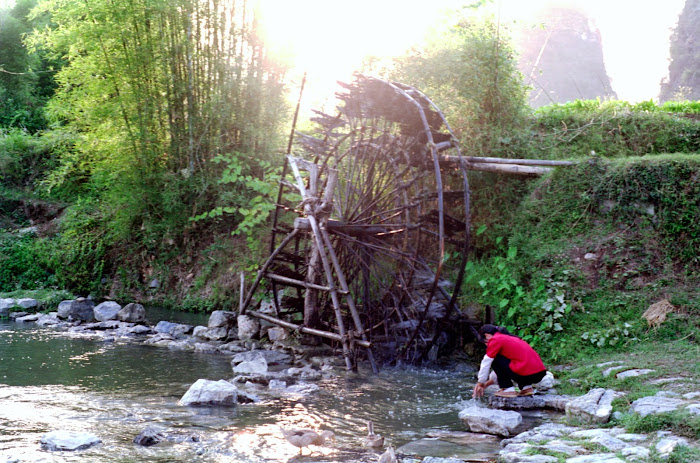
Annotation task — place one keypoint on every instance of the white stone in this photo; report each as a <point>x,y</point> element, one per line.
<point>547,383</point>
<point>221,318</point>
<point>68,440</point>
<point>635,453</point>
<point>248,327</point>
<point>632,437</point>
<point>257,365</point>
<point>612,362</point>
<point>107,310</point>
<point>64,308</point>
<point>655,404</point>
<point>277,334</point>
<point>595,458</point>
<point>486,420</point>
<point>5,305</point>
<point>277,384</point>
<point>595,406</point>
<point>610,370</point>
<point>667,445</point>
<point>611,443</point>
<point>207,392</point>
<point>694,409</point>
<point>633,373</point>
<point>27,303</point>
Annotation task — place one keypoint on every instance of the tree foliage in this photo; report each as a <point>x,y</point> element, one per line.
<point>154,91</point>
<point>26,78</point>
<point>470,71</point>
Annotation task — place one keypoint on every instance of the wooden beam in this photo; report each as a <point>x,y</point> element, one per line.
<point>525,162</point>
<point>305,330</point>
<point>508,168</point>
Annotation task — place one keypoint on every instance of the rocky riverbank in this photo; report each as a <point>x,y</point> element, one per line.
<point>267,362</point>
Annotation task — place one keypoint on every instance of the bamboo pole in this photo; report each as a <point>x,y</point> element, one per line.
<point>306,330</point>
<point>324,260</point>
<point>509,168</point>
<point>263,269</point>
<point>524,162</point>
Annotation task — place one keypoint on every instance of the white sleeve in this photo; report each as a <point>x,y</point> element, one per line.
<point>484,369</point>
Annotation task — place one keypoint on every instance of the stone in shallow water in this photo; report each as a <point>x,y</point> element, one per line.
<point>68,440</point>
<point>205,392</point>
<point>489,421</point>
<point>439,448</point>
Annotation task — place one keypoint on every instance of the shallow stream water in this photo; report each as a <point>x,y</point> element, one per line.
<point>50,381</point>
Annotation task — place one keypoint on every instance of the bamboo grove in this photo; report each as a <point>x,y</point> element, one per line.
<point>153,91</point>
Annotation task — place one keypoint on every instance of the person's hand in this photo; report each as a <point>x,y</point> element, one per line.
<point>478,390</point>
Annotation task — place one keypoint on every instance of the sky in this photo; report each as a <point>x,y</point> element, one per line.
<point>330,37</point>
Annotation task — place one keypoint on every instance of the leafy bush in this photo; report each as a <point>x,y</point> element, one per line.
<point>78,254</point>
<point>23,263</point>
<point>532,307</point>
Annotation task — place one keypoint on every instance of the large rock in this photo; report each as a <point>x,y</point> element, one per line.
<point>68,440</point>
<point>221,318</point>
<point>106,311</point>
<point>248,327</point>
<point>132,313</point>
<point>27,303</point>
<point>205,392</point>
<point>81,309</point>
<point>63,310</point>
<point>596,406</point>
<point>489,421</point>
<point>176,330</point>
<point>6,305</point>
<point>257,365</point>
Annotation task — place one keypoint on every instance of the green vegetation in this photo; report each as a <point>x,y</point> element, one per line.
<point>140,141</point>
<point>162,155</point>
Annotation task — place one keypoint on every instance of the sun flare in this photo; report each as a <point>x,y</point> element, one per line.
<point>328,39</point>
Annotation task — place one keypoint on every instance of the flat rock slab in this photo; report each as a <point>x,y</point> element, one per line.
<point>490,421</point>
<point>595,406</point>
<point>443,449</point>
<point>518,403</point>
<point>68,440</point>
<point>656,404</point>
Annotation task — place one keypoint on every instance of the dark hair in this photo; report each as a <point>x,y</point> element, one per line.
<point>493,329</point>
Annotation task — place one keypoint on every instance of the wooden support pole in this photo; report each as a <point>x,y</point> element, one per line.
<point>263,269</point>
<point>504,165</point>
<point>294,282</point>
<point>305,330</point>
<point>324,260</point>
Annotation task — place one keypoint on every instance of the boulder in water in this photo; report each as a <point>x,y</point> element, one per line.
<point>68,440</point>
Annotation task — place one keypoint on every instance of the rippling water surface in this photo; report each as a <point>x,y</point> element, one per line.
<point>49,382</point>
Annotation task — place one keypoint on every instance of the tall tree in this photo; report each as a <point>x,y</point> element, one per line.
<point>157,89</point>
<point>26,78</point>
<point>470,71</point>
<point>683,82</point>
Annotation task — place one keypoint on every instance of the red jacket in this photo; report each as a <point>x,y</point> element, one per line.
<point>523,358</point>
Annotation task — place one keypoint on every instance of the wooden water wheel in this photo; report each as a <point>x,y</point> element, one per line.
<point>371,231</point>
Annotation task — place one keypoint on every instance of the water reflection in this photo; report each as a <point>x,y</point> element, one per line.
<point>115,390</point>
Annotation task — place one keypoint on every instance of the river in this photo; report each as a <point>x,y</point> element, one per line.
<point>50,381</point>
